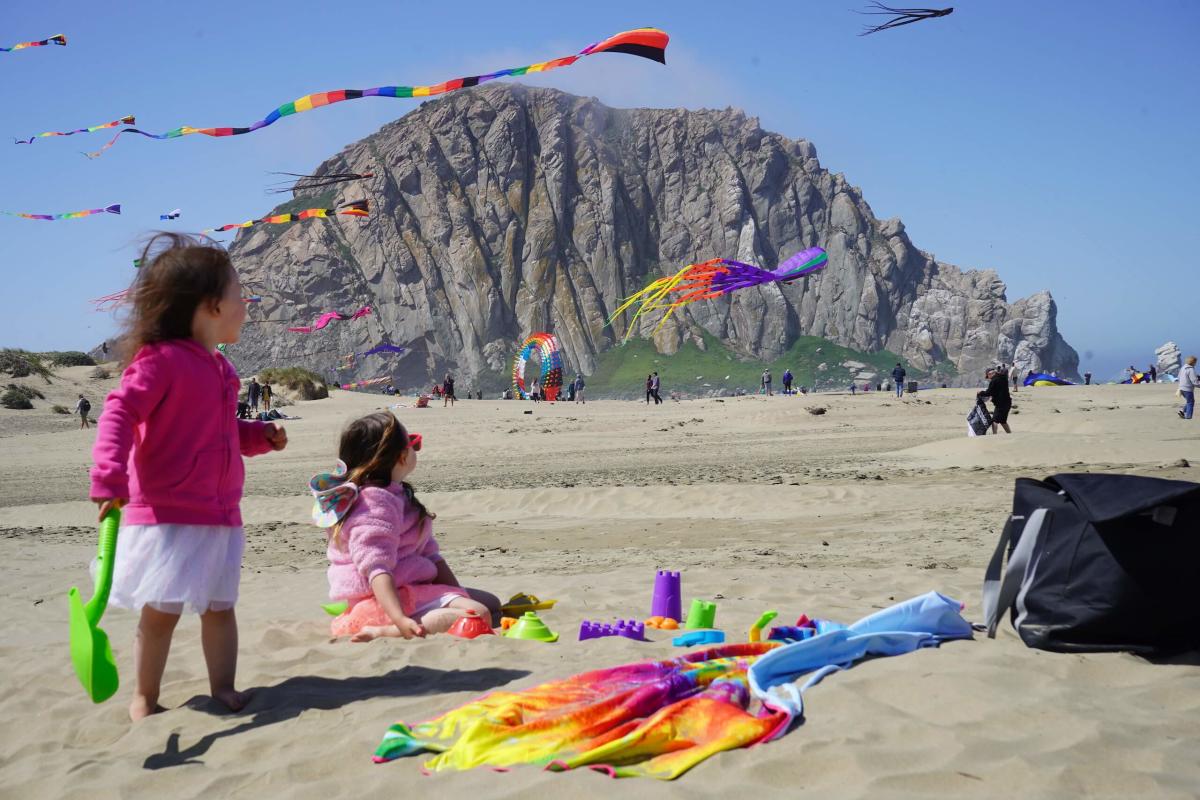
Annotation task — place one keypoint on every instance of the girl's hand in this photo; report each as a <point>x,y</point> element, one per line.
<point>410,628</point>
<point>109,503</point>
<point>277,436</point>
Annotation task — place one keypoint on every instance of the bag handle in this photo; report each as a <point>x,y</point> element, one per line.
<point>1000,586</point>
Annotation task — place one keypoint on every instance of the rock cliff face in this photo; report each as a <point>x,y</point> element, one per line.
<point>504,210</point>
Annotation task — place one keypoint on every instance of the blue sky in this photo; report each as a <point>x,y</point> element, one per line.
<point>1055,142</point>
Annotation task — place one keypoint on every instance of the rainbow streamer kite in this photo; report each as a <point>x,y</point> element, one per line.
<point>547,349</point>
<point>122,121</point>
<point>714,278</point>
<point>648,43</point>
<point>57,38</point>
<point>115,209</point>
<point>366,383</point>
<point>359,208</point>
<point>330,316</point>
<point>658,719</point>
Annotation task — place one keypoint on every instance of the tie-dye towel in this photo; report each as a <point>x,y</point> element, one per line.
<point>658,719</point>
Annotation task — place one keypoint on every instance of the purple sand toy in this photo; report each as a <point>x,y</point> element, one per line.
<point>629,628</point>
<point>666,602</point>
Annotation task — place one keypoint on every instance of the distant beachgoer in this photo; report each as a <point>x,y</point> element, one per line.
<point>654,386</point>
<point>1015,377</point>
<point>579,386</point>
<point>766,382</point>
<point>82,407</point>
<point>898,376</point>
<point>253,392</point>
<point>104,348</point>
<point>1153,370</point>
<point>1087,379</point>
<point>787,381</point>
<point>535,391</point>
<point>266,396</point>
<point>853,388</point>
<point>448,390</point>
<point>649,388</point>
<point>1187,387</point>
<point>997,392</point>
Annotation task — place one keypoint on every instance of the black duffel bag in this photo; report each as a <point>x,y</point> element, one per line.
<point>1099,563</point>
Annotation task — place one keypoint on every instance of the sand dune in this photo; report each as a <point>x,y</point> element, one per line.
<point>759,503</point>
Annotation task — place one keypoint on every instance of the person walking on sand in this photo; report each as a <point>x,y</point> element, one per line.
<point>1015,378</point>
<point>448,390</point>
<point>766,382</point>
<point>253,392</point>
<point>654,387</point>
<point>898,376</point>
<point>579,386</point>
<point>535,391</point>
<point>787,381</point>
<point>266,395</point>
<point>82,407</point>
<point>1152,371</point>
<point>1187,387</point>
<point>104,349</point>
<point>997,392</point>
<point>649,388</point>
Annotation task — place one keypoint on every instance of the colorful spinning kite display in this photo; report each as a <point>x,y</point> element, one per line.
<point>57,38</point>
<point>714,278</point>
<point>1042,379</point>
<point>330,316</point>
<point>113,209</point>
<point>359,208</point>
<point>648,43</point>
<point>546,346</point>
<point>122,121</point>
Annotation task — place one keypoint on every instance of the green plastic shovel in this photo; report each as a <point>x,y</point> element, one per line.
<point>90,651</point>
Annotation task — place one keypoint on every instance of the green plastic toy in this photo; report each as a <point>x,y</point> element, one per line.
<point>336,609</point>
<point>90,651</point>
<point>530,626</point>
<point>702,614</point>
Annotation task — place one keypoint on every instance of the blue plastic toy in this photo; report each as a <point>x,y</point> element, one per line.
<point>699,637</point>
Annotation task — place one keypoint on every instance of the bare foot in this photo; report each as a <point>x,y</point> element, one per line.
<point>375,632</point>
<point>231,698</point>
<point>141,708</point>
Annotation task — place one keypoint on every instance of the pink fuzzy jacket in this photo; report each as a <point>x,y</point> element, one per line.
<point>170,441</point>
<point>381,533</point>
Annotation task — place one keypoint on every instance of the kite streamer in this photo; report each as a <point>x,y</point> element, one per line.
<point>330,316</point>
<point>359,208</point>
<point>546,346</point>
<point>122,121</point>
<point>110,301</point>
<point>382,348</point>
<point>658,719</point>
<point>366,383</point>
<point>115,209</point>
<point>714,278</point>
<point>902,16</point>
<point>306,183</point>
<point>57,38</point>
<point>648,43</point>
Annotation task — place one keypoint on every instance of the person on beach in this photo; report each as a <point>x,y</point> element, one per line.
<point>997,392</point>
<point>1152,371</point>
<point>82,407</point>
<point>173,460</point>
<point>898,376</point>
<point>266,394</point>
<point>448,390</point>
<point>383,559</point>
<point>1187,387</point>
<point>104,349</point>
<point>1015,379</point>
<point>766,382</point>
<point>579,387</point>
<point>253,393</point>
<point>654,387</point>
<point>535,391</point>
<point>787,381</point>
<point>649,389</point>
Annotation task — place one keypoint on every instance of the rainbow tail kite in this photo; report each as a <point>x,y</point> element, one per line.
<point>359,208</point>
<point>714,278</point>
<point>648,43</point>
<point>57,38</point>
<point>658,719</point>
<point>122,121</point>
<point>330,316</point>
<point>115,209</point>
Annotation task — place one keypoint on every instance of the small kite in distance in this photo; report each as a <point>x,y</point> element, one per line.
<point>903,16</point>
<point>113,209</point>
<point>383,348</point>
<point>359,208</point>
<point>330,316</point>
<point>57,38</point>
<point>129,120</point>
<point>304,183</point>
<point>170,215</point>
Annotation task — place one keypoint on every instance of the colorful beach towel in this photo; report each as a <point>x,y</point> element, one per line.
<point>658,719</point>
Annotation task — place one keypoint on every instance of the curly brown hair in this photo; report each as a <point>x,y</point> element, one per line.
<point>178,274</point>
<point>370,447</point>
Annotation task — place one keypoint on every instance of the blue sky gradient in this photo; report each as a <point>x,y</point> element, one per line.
<point>1055,142</point>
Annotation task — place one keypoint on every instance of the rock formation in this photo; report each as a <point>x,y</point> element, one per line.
<point>504,210</point>
<point>1169,359</point>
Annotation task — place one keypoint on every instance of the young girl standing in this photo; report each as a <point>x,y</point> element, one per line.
<point>383,559</point>
<point>169,451</point>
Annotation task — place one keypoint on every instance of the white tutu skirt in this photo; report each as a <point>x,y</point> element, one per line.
<point>176,567</point>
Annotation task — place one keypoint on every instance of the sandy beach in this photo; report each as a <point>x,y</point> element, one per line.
<point>759,503</point>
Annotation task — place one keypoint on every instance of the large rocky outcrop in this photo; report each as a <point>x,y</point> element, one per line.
<point>507,209</point>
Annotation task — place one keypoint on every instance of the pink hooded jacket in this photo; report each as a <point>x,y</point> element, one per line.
<point>381,533</point>
<point>170,441</point>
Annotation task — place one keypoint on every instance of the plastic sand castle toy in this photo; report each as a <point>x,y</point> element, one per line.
<point>702,614</point>
<point>666,602</point>
<point>470,626</point>
<point>530,626</point>
<point>630,629</point>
